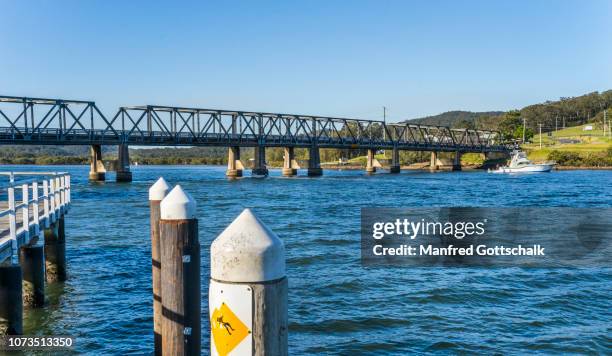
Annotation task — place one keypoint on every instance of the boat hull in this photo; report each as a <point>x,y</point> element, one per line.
<point>534,168</point>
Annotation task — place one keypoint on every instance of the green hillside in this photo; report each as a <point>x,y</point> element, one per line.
<point>455,118</point>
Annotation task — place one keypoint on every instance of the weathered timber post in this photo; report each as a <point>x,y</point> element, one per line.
<point>289,169</point>
<point>157,193</point>
<point>314,162</point>
<point>248,290</point>
<point>259,167</point>
<point>457,161</point>
<point>370,161</point>
<point>234,166</point>
<point>123,164</point>
<point>97,172</point>
<point>433,162</point>
<point>395,161</point>
<point>32,261</point>
<point>55,251</point>
<point>11,300</point>
<point>180,274</point>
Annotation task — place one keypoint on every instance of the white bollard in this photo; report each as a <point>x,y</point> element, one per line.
<point>248,290</point>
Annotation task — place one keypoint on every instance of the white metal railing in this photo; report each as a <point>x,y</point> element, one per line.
<point>55,200</point>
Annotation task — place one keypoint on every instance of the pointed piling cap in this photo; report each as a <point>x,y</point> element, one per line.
<point>178,205</point>
<point>159,190</point>
<point>247,251</point>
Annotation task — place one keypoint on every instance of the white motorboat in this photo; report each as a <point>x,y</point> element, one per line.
<point>521,164</point>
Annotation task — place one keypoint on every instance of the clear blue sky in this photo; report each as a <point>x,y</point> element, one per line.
<point>341,58</point>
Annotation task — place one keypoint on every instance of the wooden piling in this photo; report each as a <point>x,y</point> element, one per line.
<point>248,290</point>
<point>157,192</point>
<point>11,300</point>
<point>55,251</point>
<point>31,259</point>
<point>180,274</point>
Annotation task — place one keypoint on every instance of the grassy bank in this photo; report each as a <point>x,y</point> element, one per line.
<point>572,147</point>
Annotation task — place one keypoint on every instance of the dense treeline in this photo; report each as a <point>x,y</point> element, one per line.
<point>587,159</point>
<point>455,118</point>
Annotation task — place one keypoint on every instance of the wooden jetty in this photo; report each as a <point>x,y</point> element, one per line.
<point>32,241</point>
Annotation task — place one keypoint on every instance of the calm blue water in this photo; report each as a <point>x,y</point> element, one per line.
<point>336,306</point>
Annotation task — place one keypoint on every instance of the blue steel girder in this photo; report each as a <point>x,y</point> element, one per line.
<point>57,121</point>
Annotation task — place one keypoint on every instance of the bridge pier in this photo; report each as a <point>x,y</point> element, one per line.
<point>55,251</point>
<point>314,162</point>
<point>259,167</point>
<point>234,166</point>
<point>11,300</point>
<point>370,169</point>
<point>123,164</point>
<point>97,172</point>
<point>433,162</point>
<point>32,261</point>
<point>289,169</point>
<point>457,161</point>
<point>395,161</point>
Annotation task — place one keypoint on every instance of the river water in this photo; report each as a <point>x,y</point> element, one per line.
<point>336,306</point>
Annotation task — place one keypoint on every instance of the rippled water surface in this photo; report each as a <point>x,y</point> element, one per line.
<point>336,306</point>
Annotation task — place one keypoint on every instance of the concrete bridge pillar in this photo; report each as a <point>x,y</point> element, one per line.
<point>234,165</point>
<point>433,162</point>
<point>259,168</point>
<point>395,161</point>
<point>289,165</point>
<point>97,172</point>
<point>370,168</point>
<point>123,164</point>
<point>314,162</point>
<point>457,161</point>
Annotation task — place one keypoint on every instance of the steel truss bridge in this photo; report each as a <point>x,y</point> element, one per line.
<point>37,121</point>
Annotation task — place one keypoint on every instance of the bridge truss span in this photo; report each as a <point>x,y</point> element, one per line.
<point>37,121</point>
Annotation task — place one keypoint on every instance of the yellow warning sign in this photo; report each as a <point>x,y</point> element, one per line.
<point>227,330</point>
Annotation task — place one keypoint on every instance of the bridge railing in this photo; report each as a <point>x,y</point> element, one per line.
<point>29,206</point>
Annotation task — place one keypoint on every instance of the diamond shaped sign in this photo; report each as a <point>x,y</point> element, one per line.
<point>227,329</point>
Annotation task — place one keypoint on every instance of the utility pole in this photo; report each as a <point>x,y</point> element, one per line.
<point>385,123</point>
<point>605,127</point>
<point>524,123</point>
<point>540,125</point>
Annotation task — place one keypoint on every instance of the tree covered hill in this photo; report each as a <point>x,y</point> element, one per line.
<point>454,118</point>
<point>565,112</point>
